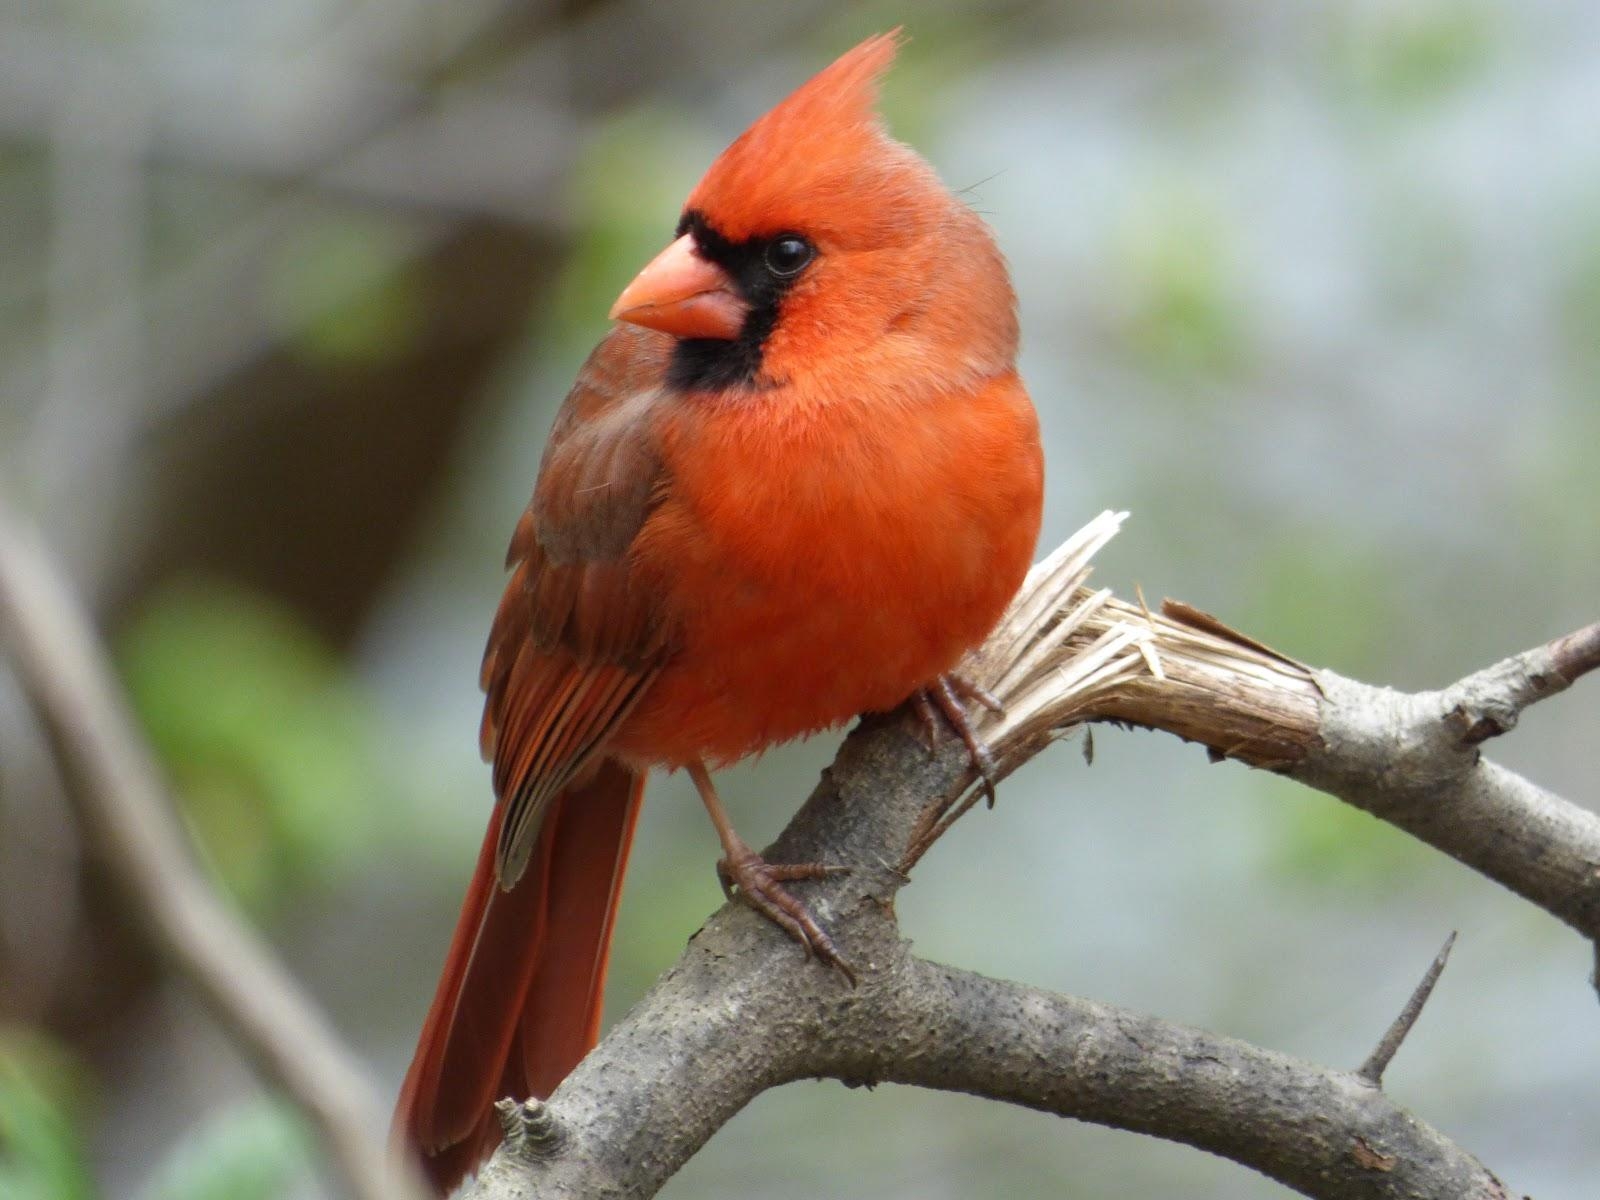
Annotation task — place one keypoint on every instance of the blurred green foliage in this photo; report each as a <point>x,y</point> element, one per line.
<point>1424,253</point>
<point>249,1151</point>
<point>265,735</point>
<point>339,289</point>
<point>252,1151</point>
<point>627,189</point>
<point>1181,314</point>
<point>1403,56</point>
<point>1580,307</point>
<point>1324,598</point>
<point>41,1151</point>
<point>1317,842</point>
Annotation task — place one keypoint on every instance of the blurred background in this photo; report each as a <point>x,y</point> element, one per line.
<point>289,293</point>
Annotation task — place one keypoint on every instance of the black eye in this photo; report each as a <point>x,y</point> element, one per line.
<point>788,255</point>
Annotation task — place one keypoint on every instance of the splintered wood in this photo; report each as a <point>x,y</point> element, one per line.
<point>1066,654</point>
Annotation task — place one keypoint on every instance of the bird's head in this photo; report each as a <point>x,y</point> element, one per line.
<point>815,239</point>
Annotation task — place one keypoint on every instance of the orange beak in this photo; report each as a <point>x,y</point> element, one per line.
<point>683,294</point>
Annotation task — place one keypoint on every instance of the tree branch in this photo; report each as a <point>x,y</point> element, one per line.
<point>1321,1132</point>
<point>740,1013</point>
<point>1325,1133</point>
<point>1412,760</point>
<point>127,818</point>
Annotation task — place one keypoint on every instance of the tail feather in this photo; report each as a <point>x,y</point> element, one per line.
<point>519,999</point>
<point>562,1020</point>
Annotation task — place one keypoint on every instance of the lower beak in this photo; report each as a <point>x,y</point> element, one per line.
<point>683,294</point>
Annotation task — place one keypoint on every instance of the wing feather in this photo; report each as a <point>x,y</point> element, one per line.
<point>578,637</point>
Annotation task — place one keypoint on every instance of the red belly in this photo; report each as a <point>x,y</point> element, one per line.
<point>891,572</point>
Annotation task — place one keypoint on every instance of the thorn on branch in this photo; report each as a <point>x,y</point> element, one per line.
<point>1378,1061</point>
<point>532,1130</point>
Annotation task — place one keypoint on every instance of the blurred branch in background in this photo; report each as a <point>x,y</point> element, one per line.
<point>213,201</point>
<point>363,123</point>
<point>128,824</point>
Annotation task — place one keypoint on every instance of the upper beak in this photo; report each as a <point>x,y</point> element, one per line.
<point>683,294</point>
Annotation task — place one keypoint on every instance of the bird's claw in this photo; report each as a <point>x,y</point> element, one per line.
<point>944,698</point>
<point>928,716</point>
<point>760,885</point>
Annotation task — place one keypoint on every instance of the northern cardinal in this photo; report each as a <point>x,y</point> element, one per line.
<point>796,482</point>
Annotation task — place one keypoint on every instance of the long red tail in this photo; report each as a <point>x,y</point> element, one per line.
<point>519,1000</point>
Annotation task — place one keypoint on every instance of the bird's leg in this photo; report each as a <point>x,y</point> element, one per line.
<point>944,697</point>
<point>760,883</point>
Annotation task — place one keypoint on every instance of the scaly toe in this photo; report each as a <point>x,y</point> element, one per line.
<point>760,885</point>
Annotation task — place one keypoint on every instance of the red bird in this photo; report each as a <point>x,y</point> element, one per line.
<point>796,482</point>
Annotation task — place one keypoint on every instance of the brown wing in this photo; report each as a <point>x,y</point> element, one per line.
<point>577,639</point>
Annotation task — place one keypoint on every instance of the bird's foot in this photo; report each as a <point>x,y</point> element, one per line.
<point>760,885</point>
<point>942,702</point>
<point>944,699</point>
